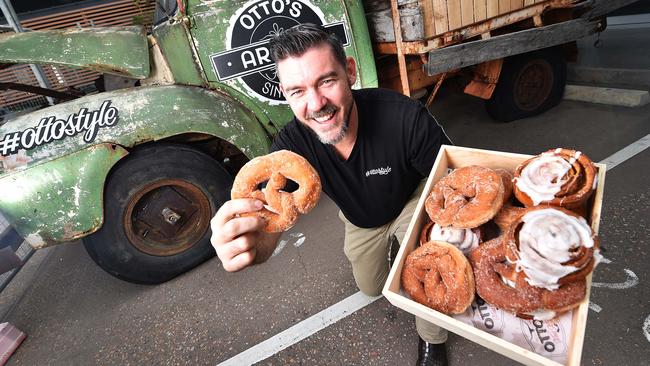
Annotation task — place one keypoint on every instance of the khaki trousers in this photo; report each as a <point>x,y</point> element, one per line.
<point>368,252</point>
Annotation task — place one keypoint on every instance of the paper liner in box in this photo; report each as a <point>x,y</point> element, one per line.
<point>548,338</point>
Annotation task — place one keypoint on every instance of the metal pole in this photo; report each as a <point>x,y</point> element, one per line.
<point>12,19</point>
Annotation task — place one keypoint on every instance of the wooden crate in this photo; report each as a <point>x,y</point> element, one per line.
<point>441,16</point>
<point>456,157</point>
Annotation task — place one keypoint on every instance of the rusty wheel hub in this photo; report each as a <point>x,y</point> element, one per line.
<point>533,85</point>
<point>167,217</point>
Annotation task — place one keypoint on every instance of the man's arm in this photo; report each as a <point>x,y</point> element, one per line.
<point>240,241</point>
<point>426,137</point>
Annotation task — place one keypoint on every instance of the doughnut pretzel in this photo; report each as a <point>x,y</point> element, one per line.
<point>508,185</point>
<point>466,198</point>
<point>506,216</point>
<point>281,208</point>
<point>557,177</point>
<point>438,275</point>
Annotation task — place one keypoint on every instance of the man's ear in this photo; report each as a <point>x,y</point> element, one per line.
<point>351,70</point>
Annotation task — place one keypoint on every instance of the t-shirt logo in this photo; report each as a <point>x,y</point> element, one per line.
<point>379,171</point>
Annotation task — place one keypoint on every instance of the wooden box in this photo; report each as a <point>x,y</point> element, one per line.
<point>451,157</point>
<point>441,16</point>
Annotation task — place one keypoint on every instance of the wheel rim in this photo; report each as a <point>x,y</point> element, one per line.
<point>533,85</point>
<point>167,217</point>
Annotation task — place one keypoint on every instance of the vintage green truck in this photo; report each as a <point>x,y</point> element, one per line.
<point>139,172</point>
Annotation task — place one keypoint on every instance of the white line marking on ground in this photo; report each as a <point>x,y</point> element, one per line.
<point>358,301</point>
<point>301,330</point>
<point>632,280</point>
<point>646,328</point>
<point>283,243</point>
<point>627,152</point>
<point>595,307</point>
<point>299,242</point>
<point>279,248</point>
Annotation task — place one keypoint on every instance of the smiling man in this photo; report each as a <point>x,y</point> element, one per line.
<point>372,149</point>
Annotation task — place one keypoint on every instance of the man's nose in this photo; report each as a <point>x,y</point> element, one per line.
<point>316,101</point>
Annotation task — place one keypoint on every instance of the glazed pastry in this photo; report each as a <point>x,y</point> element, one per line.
<point>551,246</point>
<point>463,239</point>
<point>539,267</point>
<point>559,177</point>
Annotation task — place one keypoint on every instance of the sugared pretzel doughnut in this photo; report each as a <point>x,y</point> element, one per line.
<point>551,246</point>
<point>463,239</point>
<point>506,216</point>
<point>466,198</point>
<point>507,178</point>
<point>559,177</point>
<point>438,275</point>
<point>281,208</point>
<point>496,285</point>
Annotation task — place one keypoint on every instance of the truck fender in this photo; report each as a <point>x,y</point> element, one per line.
<point>116,50</point>
<point>59,184</point>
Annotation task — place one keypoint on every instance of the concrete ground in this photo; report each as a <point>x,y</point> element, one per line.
<point>75,314</point>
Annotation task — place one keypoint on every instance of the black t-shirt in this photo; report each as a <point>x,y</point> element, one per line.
<point>398,141</point>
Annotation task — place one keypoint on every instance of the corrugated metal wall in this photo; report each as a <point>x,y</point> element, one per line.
<point>119,12</point>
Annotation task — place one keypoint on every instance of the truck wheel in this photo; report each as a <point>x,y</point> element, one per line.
<point>157,209</point>
<point>530,84</point>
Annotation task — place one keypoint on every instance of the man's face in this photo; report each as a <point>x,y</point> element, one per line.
<point>318,89</point>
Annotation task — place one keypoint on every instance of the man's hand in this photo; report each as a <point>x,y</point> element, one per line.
<point>240,241</point>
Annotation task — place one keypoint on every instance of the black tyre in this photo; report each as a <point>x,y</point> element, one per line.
<point>529,84</point>
<point>158,203</point>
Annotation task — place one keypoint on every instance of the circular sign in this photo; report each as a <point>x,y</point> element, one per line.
<point>256,23</point>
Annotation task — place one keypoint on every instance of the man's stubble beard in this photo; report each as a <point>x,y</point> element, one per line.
<point>342,132</point>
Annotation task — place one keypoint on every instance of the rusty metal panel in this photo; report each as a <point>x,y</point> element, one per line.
<point>174,42</point>
<point>55,160</point>
<point>62,200</point>
<point>116,50</point>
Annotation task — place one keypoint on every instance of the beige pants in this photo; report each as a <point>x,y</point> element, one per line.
<point>368,251</point>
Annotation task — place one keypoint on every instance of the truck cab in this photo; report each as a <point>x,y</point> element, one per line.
<point>137,173</point>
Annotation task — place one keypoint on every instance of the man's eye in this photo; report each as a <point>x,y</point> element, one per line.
<point>296,93</point>
<point>328,81</point>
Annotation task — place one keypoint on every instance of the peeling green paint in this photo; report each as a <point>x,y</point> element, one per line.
<point>62,200</point>
<point>56,195</point>
<point>116,50</point>
<point>175,45</point>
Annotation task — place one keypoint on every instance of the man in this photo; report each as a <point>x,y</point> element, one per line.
<point>372,148</point>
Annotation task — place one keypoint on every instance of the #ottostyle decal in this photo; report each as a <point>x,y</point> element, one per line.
<point>248,57</point>
<point>51,129</point>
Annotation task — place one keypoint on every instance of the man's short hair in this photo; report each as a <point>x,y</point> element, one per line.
<point>295,41</point>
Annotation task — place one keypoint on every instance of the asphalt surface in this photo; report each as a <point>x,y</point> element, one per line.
<point>75,314</point>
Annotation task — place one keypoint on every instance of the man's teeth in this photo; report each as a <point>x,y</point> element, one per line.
<point>324,118</point>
